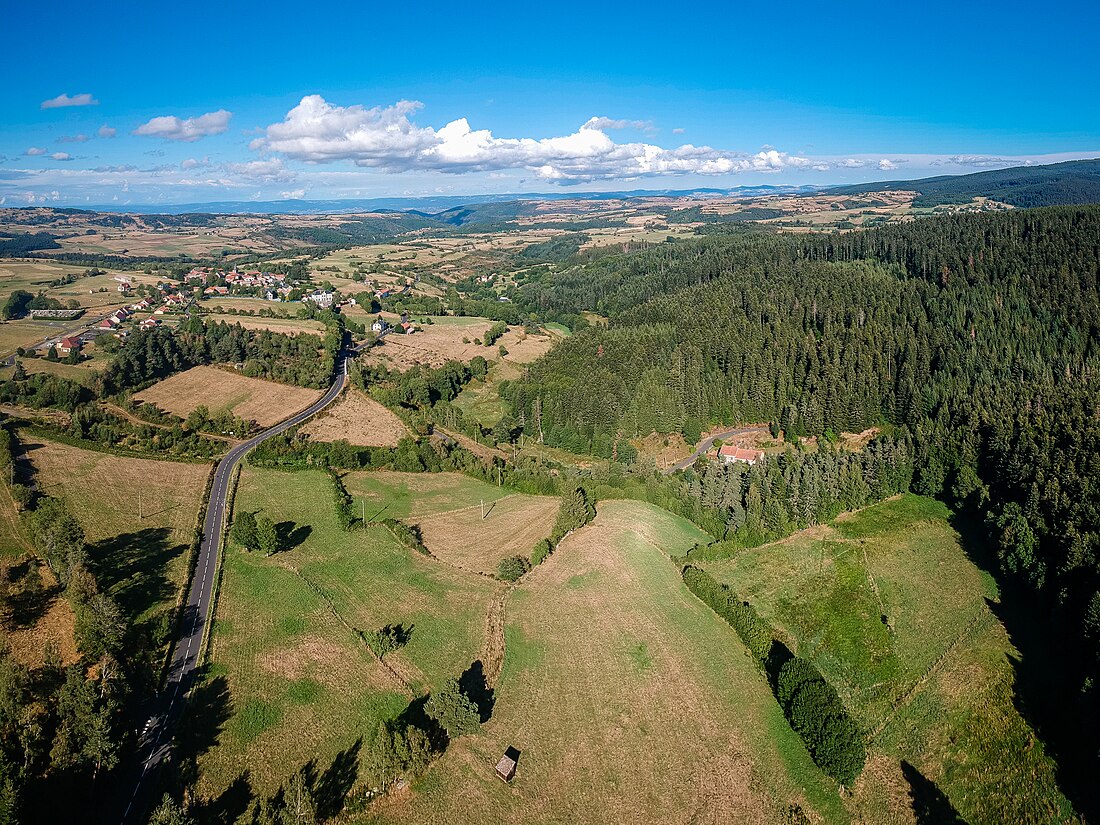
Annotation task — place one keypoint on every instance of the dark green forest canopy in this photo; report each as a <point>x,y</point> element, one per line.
<point>971,339</point>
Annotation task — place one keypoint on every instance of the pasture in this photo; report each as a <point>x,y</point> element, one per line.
<point>888,605</point>
<point>299,682</point>
<point>386,494</point>
<point>253,399</point>
<point>628,700</point>
<point>359,419</point>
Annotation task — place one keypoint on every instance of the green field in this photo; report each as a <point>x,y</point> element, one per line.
<point>300,683</point>
<point>385,494</point>
<point>628,700</point>
<point>888,605</point>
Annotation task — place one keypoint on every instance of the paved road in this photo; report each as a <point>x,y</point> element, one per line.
<point>155,742</point>
<point>708,442</point>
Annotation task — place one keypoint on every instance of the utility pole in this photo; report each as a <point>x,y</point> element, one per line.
<point>140,509</point>
<point>483,509</point>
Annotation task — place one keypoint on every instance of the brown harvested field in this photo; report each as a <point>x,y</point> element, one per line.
<point>359,419</point>
<point>628,700</point>
<point>523,348</point>
<point>252,399</point>
<point>511,527</point>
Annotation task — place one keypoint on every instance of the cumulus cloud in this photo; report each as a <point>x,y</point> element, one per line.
<point>74,139</point>
<point>35,151</point>
<point>887,165</point>
<point>106,131</point>
<point>679,130</point>
<point>61,156</point>
<point>171,127</point>
<point>194,163</point>
<point>293,194</point>
<point>63,100</point>
<point>386,138</point>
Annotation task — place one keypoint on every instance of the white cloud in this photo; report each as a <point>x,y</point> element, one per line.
<point>61,156</point>
<point>887,165</point>
<point>34,151</point>
<point>385,138</point>
<point>603,123</point>
<point>194,163</point>
<point>63,100</point>
<point>106,131</point>
<point>293,194</point>
<point>74,139</point>
<point>171,127</point>
<point>977,161</point>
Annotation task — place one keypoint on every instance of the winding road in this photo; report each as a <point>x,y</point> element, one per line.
<point>155,741</point>
<point>707,443</point>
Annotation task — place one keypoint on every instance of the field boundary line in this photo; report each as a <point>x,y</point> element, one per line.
<point>981,619</point>
<point>461,509</point>
<point>356,634</point>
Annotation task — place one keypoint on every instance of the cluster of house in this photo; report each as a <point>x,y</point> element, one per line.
<point>274,285</point>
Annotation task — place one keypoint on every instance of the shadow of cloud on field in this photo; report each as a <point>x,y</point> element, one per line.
<point>930,805</point>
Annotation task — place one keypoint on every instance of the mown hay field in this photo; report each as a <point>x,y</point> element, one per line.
<point>510,526</point>
<point>253,399</point>
<point>453,338</point>
<point>295,680</point>
<point>889,606</point>
<point>385,494</point>
<point>358,419</point>
<point>628,699</point>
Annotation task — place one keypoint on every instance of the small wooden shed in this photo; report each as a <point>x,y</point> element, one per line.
<point>506,767</point>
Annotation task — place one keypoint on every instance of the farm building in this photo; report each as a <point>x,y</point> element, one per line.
<point>379,325</point>
<point>728,454</point>
<point>506,767</point>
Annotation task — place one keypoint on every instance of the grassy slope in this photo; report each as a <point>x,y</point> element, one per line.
<point>300,684</point>
<point>875,600</point>
<point>629,700</point>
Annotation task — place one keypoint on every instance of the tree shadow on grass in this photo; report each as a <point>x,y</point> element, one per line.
<point>291,535</point>
<point>1047,672</point>
<point>133,568</point>
<point>473,684</point>
<point>331,788</point>
<point>414,715</point>
<point>930,805</point>
<point>199,731</point>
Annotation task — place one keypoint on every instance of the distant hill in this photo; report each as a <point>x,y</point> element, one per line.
<point>1058,184</point>
<point>430,205</point>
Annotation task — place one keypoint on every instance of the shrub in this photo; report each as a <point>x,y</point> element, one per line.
<point>407,534</point>
<point>576,511</point>
<point>453,710</point>
<point>542,550</point>
<point>511,568</point>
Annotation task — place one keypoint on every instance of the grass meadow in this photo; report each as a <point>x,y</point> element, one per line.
<point>898,618</point>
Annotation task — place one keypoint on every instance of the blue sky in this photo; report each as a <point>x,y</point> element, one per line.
<point>149,102</point>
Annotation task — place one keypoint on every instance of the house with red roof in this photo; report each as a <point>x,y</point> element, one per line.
<point>729,454</point>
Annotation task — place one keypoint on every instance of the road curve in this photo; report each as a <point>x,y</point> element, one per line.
<point>707,443</point>
<point>155,741</point>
